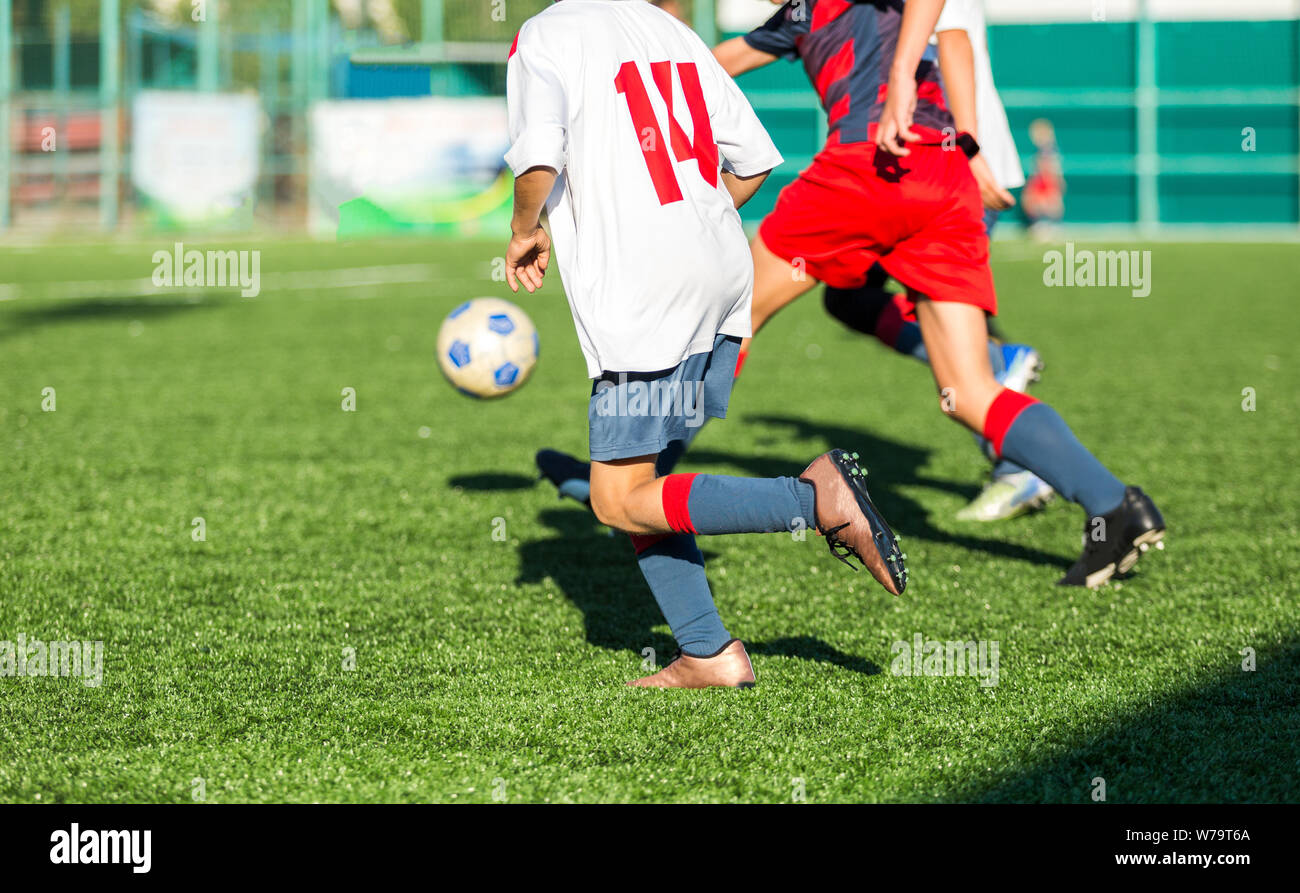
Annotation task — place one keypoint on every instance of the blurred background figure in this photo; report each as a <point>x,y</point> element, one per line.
<point>1043,199</point>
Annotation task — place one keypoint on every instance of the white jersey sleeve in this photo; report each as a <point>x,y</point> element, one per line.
<point>959,15</point>
<point>996,143</point>
<point>537,107</point>
<point>743,142</point>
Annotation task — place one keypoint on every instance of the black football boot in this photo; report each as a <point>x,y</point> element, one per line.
<point>1113,543</point>
<point>572,477</point>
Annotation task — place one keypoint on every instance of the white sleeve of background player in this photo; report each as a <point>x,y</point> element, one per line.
<point>743,142</point>
<point>957,15</point>
<point>536,107</point>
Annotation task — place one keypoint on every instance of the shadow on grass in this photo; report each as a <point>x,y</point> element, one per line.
<point>51,311</point>
<point>492,481</point>
<point>599,574</point>
<point>891,465</point>
<point>1234,740</point>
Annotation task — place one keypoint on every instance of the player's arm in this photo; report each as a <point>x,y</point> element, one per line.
<point>529,251</point>
<point>537,112</point>
<point>957,65</point>
<point>736,56</point>
<point>776,38</point>
<point>895,130</point>
<point>742,189</point>
<point>747,152</point>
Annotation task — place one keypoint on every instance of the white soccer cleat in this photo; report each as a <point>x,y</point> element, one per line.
<point>1008,497</point>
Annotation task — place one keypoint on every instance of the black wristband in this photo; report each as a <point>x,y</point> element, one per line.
<point>968,144</point>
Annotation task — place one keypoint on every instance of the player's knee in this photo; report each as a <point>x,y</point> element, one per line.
<point>954,409</point>
<point>967,405</point>
<point>948,403</point>
<point>603,508</point>
<point>608,507</point>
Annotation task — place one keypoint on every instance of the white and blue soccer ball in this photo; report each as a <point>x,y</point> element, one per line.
<point>487,347</point>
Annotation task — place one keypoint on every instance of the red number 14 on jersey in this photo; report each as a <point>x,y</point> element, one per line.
<point>701,147</point>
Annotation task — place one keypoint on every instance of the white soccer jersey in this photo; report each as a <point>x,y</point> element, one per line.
<point>996,143</point>
<point>636,115</point>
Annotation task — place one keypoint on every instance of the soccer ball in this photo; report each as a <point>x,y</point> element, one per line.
<point>487,347</point>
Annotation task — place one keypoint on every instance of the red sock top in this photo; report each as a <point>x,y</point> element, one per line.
<point>676,497</point>
<point>1003,411</point>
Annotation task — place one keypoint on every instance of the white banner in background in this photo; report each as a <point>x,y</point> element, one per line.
<point>195,154</point>
<point>426,160</point>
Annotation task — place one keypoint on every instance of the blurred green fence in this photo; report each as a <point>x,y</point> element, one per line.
<point>1161,124</point>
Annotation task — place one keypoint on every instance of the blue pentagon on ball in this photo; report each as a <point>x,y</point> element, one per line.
<point>459,310</point>
<point>501,324</point>
<point>505,375</point>
<point>458,353</point>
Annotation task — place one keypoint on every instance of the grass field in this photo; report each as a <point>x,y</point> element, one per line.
<point>488,668</point>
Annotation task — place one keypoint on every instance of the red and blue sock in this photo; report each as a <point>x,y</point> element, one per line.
<point>896,327</point>
<point>714,504</point>
<point>708,503</point>
<point>1034,435</point>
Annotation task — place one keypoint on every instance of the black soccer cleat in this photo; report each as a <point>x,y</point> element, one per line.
<point>570,476</point>
<point>1114,542</point>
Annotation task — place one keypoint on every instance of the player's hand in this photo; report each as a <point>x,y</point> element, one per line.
<point>895,128</point>
<point>994,196</point>
<point>527,257</point>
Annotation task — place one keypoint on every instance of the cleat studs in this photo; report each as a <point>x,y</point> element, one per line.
<point>1160,545</point>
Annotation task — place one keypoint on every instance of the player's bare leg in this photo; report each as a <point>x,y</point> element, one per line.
<point>626,495</point>
<point>777,282</point>
<point>956,339</point>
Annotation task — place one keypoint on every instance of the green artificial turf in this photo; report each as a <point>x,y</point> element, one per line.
<point>490,668</point>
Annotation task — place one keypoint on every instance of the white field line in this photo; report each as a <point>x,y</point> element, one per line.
<point>348,277</point>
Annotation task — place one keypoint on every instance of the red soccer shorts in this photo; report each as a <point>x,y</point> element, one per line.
<point>919,216</point>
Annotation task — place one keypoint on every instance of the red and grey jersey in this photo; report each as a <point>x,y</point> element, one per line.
<point>847,49</point>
